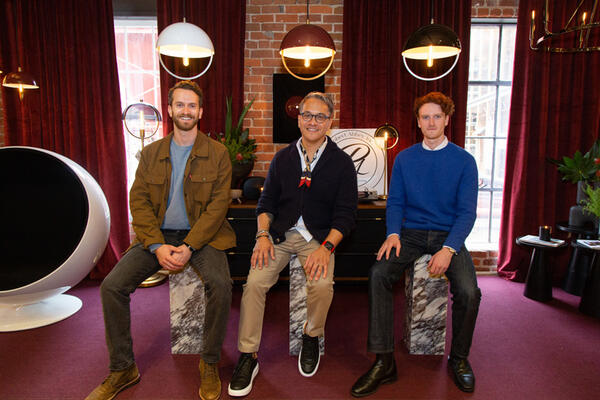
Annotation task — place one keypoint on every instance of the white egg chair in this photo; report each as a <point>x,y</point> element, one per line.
<point>54,226</point>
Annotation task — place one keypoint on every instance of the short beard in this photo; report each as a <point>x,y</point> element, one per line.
<point>183,127</point>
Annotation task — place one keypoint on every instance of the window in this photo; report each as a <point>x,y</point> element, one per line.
<point>138,67</point>
<point>488,106</point>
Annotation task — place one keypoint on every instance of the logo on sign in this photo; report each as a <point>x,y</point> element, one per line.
<point>367,156</point>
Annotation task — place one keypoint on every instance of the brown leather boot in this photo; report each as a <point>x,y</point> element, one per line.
<point>210,384</point>
<point>114,383</point>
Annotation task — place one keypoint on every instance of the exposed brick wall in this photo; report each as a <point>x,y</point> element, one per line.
<point>485,261</point>
<point>494,8</point>
<point>267,22</point>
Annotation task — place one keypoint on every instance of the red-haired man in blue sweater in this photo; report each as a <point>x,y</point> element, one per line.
<point>431,209</point>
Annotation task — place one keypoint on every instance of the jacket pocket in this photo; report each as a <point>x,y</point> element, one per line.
<point>156,184</point>
<point>202,186</point>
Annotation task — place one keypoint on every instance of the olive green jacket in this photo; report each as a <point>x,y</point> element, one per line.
<point>206,191</point>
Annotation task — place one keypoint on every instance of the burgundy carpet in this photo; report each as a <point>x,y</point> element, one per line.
<point>522,350</point>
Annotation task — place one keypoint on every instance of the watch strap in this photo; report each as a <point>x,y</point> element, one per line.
<point>189,247</point>
<point>328,245</point>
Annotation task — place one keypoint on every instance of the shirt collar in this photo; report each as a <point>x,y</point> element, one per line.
<point>438,147</point>
<point>319,152</point>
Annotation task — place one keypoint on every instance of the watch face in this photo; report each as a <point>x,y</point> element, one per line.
<point>328,245</point>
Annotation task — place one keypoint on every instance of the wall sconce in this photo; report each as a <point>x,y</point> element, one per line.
<point>184,40</point>
<point>429,43</point>
<point>576,29</point>
<point>386,137</point>
<point>307,42</point>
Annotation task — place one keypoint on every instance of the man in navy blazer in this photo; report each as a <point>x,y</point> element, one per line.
<point>307,206</point>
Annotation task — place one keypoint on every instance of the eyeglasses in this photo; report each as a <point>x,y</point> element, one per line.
<point>320,118</point>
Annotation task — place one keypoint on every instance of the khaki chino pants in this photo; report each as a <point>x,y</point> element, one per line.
<point>319,292</point>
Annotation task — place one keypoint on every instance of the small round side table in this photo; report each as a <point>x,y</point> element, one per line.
<point>590,298</point>
<point>538,285</point>
<point>580,260</point>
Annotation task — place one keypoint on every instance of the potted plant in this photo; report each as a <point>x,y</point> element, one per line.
<point>592,203</point>
<point>241,148</point>
<point>583,169</point>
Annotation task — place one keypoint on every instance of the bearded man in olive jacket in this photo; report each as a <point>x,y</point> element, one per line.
<point>178,203</point>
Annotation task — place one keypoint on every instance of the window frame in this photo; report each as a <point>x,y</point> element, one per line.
<point>497,84</point>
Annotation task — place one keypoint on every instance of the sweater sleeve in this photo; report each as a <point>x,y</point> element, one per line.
<point>466,204</point>
<point>396,200</point>
<point>346,202</point>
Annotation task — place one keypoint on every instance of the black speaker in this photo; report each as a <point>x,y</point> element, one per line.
<point>252,187</point>
<point>287,94</point>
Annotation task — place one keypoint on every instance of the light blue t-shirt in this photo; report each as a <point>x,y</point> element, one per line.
<point>176,216</point>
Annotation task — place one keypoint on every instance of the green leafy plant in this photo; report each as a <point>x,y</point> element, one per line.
<point>592,203</point>
<point>581,167</point>
<point>241,148</point>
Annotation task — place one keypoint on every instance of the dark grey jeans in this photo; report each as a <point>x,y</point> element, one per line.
<point>138,264</point>
<point>463,286</point>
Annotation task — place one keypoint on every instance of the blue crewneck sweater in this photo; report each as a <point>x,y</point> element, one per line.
<point>433,190</point>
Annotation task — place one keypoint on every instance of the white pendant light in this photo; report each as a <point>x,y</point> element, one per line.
<point>184,40</point>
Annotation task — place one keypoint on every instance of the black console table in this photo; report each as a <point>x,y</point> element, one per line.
<point>353,257</point>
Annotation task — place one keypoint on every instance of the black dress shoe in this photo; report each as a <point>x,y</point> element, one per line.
<point>308,360</point>
<point>462,374</point>
<point>382,371</point>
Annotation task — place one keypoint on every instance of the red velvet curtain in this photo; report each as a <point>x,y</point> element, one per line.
<point>376,87</point>
<point>555,110</point>
<point>69,48</point>
<point>225,23</point>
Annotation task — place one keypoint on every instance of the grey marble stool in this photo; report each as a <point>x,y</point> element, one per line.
<point>187,304</point>
<point>298,307</point>
<point>426,305</point>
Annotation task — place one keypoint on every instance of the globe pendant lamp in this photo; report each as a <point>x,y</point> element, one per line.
<point>429,43</point>
<point>307,42</point>
<point>184,40</point>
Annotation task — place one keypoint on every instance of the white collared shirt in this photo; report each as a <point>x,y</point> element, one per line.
<point>438,147</point>
<point>300,227</point>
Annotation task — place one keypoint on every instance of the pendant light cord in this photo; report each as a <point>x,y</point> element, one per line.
<point>307,17</point>
<point>19,63</point>
<point>431,11</point>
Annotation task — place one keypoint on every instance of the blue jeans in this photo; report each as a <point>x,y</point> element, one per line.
<point>463,286</point>
<point>137,265</point>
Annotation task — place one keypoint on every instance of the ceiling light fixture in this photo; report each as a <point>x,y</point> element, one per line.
<point>19,80</point>
<point>184,40</point>
<point>429,43</point>
<point>307,42</point>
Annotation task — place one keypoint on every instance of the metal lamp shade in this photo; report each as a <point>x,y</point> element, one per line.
<point>183,39</point>
<point>19,80</point>
<point>432,41</point>
<point>307,42</point>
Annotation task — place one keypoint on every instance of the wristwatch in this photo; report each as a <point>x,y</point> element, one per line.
<point>328,245</point>
<point>189,247</point>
